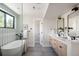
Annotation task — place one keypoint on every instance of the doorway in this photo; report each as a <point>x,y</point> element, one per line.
<point>37,32</point>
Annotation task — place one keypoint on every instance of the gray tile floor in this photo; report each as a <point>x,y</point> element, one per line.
<point>38,50</point>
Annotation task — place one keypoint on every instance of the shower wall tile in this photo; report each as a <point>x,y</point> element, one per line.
<point>7,35</point>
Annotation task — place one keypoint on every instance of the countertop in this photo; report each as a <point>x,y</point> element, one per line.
<point>63,40</point>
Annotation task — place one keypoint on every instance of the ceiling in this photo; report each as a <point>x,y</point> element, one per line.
<point>41,10</point>
<point>16,7</point>
<point>36,10</point>
<point>56,9</point>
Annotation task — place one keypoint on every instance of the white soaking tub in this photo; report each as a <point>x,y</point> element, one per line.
<point>14,48</point>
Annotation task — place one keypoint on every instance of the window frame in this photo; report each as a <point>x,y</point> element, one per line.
<point>5,13</point>
<point>4,19</point>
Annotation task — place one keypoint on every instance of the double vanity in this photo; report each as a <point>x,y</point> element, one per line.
<point>66,42</point>
<point>64,46</point>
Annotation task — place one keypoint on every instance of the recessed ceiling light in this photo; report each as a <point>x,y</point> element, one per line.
<point>33,7</point>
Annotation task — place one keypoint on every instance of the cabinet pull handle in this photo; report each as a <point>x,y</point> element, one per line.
<point>60,46</point>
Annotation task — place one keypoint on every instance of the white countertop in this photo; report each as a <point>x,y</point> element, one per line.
<point>63,40</point>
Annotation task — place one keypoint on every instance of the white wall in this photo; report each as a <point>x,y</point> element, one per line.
<point>48,24</point>
<point>30,22</point>
<point>19,23</point>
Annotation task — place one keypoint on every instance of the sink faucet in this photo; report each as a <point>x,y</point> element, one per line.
<point>61,34</point>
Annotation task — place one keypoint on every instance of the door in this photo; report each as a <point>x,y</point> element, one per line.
<point>37,31</point>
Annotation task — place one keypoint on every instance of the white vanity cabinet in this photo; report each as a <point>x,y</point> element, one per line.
<point>59,47</point>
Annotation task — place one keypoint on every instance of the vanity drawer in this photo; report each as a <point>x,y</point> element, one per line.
<point>50,38</point>
<point>62,49</point>
<point>54,44</point>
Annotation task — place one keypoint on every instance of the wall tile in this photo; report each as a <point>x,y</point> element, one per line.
<point>7,35</point>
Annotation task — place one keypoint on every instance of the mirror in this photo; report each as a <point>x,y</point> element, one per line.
<point>60,25</point>
<point>73,25</point>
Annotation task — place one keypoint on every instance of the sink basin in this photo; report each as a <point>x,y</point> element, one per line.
<point>77,39</point>
<point>64,37</point>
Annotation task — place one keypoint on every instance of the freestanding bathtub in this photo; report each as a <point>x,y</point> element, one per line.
<point>14,48</point>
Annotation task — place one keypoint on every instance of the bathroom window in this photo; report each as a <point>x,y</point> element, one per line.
<point>1,19</point>
<point>9,21</point>
<point>6,20</point>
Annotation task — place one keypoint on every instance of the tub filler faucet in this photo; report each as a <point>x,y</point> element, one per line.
<point>20,35</point>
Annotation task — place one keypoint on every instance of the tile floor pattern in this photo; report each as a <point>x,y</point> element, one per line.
<point>38,50</point>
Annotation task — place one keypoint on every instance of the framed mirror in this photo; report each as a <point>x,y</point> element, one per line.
<point>60,25</point>
<point>73,25</point>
